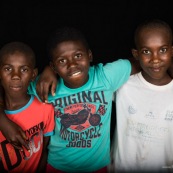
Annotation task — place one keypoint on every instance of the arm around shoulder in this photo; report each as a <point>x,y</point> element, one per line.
<point>135,65</point>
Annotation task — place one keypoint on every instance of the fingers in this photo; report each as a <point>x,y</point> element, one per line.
<point>14,134</point>
<point>46,83</point>
<point>23,140</point>
<point>42,89</point>
<point>23,135</point>
<point>25,144</point>
<point>20,139</point>
<point>45,91</point>
<point>53,88</point>
<point>17,146</point>
<point>18,142</point>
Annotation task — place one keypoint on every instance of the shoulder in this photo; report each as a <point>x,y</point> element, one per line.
<point>123,64</point>
<point>41,104</point>
<point>132,83</point>
<point>118,63</point>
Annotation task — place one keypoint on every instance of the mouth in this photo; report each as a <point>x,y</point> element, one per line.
<point>75,73</point>
<point>156,69</point>
<point>15,88</point>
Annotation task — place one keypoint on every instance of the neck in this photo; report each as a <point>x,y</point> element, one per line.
<point>14,103</point>
<point>163,80</point>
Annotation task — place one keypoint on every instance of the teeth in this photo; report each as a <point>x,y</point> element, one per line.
<point>156,69</point>
<point>75,74</point>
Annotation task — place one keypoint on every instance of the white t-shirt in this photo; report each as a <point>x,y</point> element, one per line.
<point>144,133</point>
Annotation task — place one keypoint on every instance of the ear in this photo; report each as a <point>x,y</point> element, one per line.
<point>90,55</point>
<point>135,54</point>
<point>34,75</point>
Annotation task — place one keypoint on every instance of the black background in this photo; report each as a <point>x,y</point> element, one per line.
<point>107,24</point>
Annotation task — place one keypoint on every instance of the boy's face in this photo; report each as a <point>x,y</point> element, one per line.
<point>154,52</point>
<point>16,72</point>
<point>71,60</point>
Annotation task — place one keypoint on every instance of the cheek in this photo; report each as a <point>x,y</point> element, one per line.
<point>86,64</point>
<point>5,83</point>
<point>60,71</point>
<point>168,61</point>
<point>5,77</point>
<point>26,77</point>
<point>143,61</point>
<point>167,57</point>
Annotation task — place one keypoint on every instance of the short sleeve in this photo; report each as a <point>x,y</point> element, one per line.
<point>117,73</point>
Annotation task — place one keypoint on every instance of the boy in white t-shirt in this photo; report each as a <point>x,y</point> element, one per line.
<point>144,133</point>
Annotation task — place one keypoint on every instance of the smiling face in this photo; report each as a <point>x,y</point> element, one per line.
<point>71,60</point>
<point>16,71</point>
<point>154,52</point>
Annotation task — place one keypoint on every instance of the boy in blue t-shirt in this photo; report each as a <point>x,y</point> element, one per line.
<point>83,104</point>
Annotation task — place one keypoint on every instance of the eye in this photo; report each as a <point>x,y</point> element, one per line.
<point>78,55</point>
<point>24,70</point>
<point>146,52</point>
<point>163,50</point>
<point>62,61</point>
<point>7,68</point>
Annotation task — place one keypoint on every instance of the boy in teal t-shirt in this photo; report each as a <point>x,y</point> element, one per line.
<point>83,104</point>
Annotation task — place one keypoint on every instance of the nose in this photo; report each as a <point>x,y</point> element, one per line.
<point>72,63</point>
<point>15,75</point>
<point>155,58</point>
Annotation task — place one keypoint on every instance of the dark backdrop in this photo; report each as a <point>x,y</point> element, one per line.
<point>107,24</point>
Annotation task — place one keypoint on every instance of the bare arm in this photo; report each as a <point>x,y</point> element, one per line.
<point>13,133</point>
<point>46,83</point>
<point>135,65</point>
<point>43,161</point>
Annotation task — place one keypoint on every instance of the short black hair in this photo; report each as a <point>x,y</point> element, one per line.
<point>12,47</point>
<point>65,34</point>
<point>152,23</point>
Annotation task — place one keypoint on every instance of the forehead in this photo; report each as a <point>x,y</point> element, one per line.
<point>76,44</point>
<point>154,35</point>
<point>16,57</point>
<point>69,47</point>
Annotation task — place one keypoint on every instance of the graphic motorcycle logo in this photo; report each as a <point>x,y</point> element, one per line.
<point>79,116</point>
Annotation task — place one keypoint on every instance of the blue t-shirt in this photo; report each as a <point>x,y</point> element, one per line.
<point>81,142</point>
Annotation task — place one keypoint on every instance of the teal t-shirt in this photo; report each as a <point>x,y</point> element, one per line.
<point>81,142</point>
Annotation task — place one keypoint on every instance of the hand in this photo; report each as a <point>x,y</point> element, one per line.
<point>46,83</point>
<point>14,134</point>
